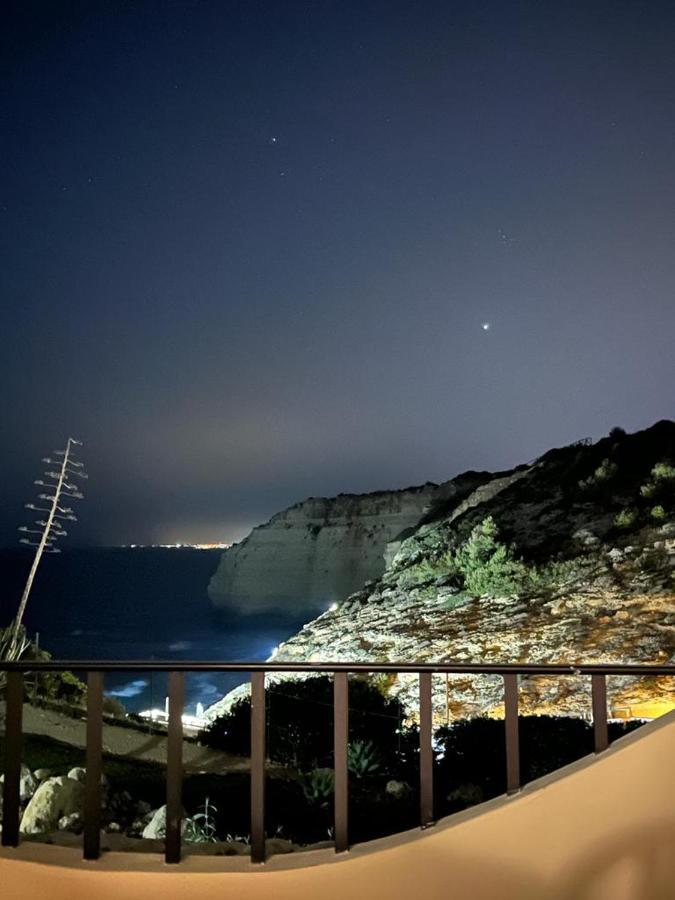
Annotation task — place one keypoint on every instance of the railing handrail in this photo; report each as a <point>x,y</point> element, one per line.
<point>176,669</point>
<point>451,668</point>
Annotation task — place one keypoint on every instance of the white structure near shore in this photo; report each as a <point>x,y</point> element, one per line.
<point>161,716</point>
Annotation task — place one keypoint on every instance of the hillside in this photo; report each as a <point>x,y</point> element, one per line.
<point>569,559</point>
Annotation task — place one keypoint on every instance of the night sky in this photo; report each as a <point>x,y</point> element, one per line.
<point>254,252</point>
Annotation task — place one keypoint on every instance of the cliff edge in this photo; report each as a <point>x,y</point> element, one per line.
<point>568,560</point>
<point>317,552</point>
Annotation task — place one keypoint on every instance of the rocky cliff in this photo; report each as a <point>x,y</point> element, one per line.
<point>570,559</point>
<point>323,549</point>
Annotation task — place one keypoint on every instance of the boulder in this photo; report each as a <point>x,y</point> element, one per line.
<point>73,823</point>
<point>397,789</point>
<point>54,799</point>
<point>27,784</point>
<point>78,774</point>
<point>156,827</point>
<point>43,774</point>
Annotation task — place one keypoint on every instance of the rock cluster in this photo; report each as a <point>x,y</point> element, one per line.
<point>53,809</point>
<point>55,803</point>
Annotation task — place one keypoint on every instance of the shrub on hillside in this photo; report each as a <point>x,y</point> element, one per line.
<point>62,686</point>
<point>299,720</point>
<point>604,473</point>
<point>626,518</point>
<point>481,565</point>
<point>661,487</point>
<point>488,566</point>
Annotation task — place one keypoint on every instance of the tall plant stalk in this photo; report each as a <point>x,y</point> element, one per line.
<point>51,527</point>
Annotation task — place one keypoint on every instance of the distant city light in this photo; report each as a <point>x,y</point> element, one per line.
<point>213,546</point>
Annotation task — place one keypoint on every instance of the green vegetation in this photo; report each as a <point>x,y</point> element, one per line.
<point>427,570</point>
<point>605,472</point>
<point>626,518</point>
<point>663,472</point>
<point>661,487</point>
<point>62,686</point>
<point>469,766</point>
<point>201,827</point>
<point>363,759</point>
<point>300,724</point>
<point>481,565</point>
<point>656,501</point>
<point>488,566</point>
<point>318,786</point>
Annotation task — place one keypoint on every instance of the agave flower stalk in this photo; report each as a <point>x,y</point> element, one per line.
<point>62,486</point>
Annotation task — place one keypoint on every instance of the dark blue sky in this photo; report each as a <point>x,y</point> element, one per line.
<point>248,248</point>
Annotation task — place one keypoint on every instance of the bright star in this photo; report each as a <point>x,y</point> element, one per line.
<point>485,326</point>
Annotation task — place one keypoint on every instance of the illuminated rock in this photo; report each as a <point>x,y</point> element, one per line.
<point>595,592</point>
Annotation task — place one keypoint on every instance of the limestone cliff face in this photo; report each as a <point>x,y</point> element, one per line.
<point>323,549</point>
<point>581,570</point>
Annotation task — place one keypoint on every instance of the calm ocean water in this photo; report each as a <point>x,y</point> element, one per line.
<point>123,604</point>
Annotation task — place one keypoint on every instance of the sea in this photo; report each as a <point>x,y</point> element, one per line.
<point>118,603</point>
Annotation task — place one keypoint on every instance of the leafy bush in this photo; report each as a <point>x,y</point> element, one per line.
<point>426,570</point>
<point>472,763</point>
<point>663,471</point>
<point>658,513</point>
<point>51,685</point>
<point>661,483</point>
<point>318,787</point>
<point>363,759</point>
<point>201,827</point>
<point>604,473</point>
<point>11,650</point>
<point>626,518</point>
<point>481,565</point>
<point>488,566</point>
<point>299,718</point>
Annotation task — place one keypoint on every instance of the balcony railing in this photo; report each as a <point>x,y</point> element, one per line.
<point>95,671</point>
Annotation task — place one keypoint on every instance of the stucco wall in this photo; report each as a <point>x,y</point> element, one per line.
<point>599,830</point>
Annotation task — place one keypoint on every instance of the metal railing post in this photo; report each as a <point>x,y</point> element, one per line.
<point>11,801</point>
<point>599,702</point>
<point>426,752</point>
<point>512,735</point>
<point>174,769</point>
<point>257,767</point>
<point>341,741</point>
<point>92,794</point>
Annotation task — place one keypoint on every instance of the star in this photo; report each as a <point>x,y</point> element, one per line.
<point>485,326</point>
<point>273,140</point>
